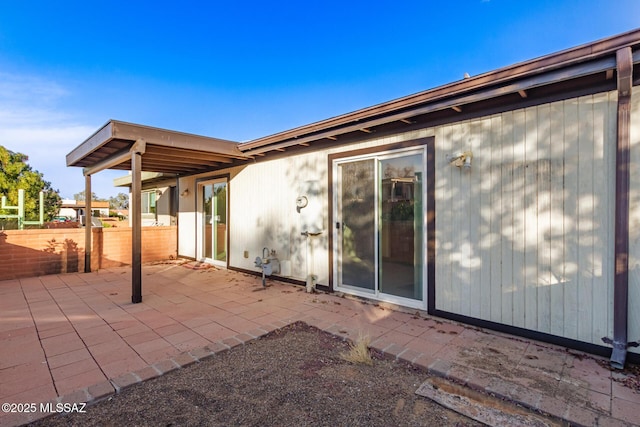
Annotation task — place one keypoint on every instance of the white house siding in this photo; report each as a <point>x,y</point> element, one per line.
<point>634,226</point>
<point>263,209</point>
<point>187,217</point>
<point>163,205</point>
<point>263,213</point>
<point>525,238</point>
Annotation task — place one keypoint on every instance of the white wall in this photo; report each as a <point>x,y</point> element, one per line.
<point>525,238</point>
<point>187,217</point>
<point>163,206</point>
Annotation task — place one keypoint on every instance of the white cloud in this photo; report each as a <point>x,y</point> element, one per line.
<point>36,120</point>
<point>21,88</point>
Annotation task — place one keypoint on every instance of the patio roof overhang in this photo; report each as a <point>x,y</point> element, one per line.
<point>128,146</point>
<point>165,151</point>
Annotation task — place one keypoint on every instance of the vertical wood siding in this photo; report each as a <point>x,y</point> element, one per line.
<point>264,213</point>
<point>263,210</point>
<point>525,237</point>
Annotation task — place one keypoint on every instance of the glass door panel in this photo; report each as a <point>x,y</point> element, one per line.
<point>379,215</point>
<point>207,220</point>
<point>220,221</point>
<point>401,226</point>
<point>357,224</point>
<point>214,222</point>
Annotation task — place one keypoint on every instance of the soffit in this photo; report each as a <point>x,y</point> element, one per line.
<point>166,151</point>
<point>590,65</point>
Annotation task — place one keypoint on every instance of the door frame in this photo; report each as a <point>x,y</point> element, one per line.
<point>199,184</point>
<point>428,300</point>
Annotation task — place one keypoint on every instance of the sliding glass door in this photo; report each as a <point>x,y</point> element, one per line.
<point>357,224</point>
<point>213,221</point>
<point>379,230</point>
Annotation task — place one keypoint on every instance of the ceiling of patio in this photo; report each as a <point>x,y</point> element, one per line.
<point>166,151</point>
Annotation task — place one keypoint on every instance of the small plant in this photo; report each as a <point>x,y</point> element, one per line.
<point>359,352</point>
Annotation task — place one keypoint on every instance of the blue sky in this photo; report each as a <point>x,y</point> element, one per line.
<point>242,70</point>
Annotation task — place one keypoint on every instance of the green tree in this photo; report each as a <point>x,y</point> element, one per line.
<point>121,201</point>
<point>16,174</point>
<point>81,198</point>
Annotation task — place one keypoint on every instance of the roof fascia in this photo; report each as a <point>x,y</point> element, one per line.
<point>94,142</point>
<point>555,61</point>
<point>531,82</point>
<point>169,138</point>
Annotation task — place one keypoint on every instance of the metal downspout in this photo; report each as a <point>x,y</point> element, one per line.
<point>624,63</point>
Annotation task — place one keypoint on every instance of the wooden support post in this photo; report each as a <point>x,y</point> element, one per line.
<point>87,224</point>
<point>136,227</point>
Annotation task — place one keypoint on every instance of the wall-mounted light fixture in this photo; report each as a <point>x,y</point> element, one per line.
<point>184,193</point>
<point>460,159</point>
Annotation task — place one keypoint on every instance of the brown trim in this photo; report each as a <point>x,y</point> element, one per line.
<point>531,334</point>
<point>621,275</point>
<point>430,244</point>
<point>460,101</point>
<point>431,225</point>
<point>499,105</point>
<point>592,58</point>
<point>227,177</point>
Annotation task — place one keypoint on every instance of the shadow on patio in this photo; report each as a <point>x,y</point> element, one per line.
<point>77,338</point>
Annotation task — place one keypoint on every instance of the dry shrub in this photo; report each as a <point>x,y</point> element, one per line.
<point>359,352</point>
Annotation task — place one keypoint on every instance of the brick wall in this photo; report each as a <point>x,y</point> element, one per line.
<point>28,253</point>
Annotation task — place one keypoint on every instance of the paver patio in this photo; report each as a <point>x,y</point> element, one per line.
<point>77,338</point>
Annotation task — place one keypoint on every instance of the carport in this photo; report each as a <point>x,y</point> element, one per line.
<point>131,147</point>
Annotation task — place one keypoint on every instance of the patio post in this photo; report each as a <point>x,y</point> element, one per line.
<point>87,223</point>
<point>136,220</point>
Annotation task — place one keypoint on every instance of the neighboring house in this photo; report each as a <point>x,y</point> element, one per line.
<point>508,200</point>
<point>74,209</point>
<point>159,197</point>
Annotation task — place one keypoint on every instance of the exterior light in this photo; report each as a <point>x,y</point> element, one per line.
<point>460,159</point>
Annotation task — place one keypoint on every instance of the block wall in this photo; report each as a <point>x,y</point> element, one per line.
<point>29,253</point>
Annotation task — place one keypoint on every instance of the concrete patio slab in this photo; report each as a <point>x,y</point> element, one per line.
<point>77,337</point>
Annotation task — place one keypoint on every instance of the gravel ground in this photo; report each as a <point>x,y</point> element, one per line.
<point>291,377</point>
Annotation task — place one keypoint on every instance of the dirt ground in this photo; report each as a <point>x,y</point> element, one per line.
<point>292,377</point>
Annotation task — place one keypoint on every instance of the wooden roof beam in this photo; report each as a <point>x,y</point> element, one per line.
<point>366,130</point>
<point>456,108</point>
<point>523,93</point>
<point>181,153</point>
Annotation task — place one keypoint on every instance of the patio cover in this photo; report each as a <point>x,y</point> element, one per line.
<point>127,146</point>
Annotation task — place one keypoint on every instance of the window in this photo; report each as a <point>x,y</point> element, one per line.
<point>149,202</point>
